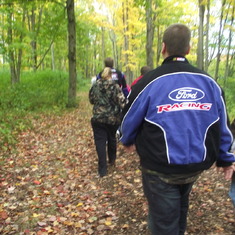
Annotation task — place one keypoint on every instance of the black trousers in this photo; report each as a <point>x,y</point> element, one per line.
<point>105,140</point>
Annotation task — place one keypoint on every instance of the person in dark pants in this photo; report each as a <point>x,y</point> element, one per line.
<point>176,119</point>
<point>108,100</point>
<point>105,136</point>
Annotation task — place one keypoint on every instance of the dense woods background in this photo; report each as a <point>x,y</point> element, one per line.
<point>50,48</point>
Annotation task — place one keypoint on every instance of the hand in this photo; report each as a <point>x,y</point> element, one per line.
<point>130,148</point>
<point>228,172</point>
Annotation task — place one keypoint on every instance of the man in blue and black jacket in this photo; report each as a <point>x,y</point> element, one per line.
<point>176,119</point>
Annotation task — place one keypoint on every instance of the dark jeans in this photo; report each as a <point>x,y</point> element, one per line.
<point>168,205</point>
<point>105,138</point>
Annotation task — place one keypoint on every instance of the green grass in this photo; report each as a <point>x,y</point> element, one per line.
<point>37,92</point>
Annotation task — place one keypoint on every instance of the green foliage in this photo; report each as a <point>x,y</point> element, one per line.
<point>83,84</point>
<point>11,123</point>
<point>229,90</point>
<point>44,91</point>
<point>36,91</point>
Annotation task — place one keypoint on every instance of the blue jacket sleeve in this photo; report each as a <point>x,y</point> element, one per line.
<point>133,118</point>
<point>125,91</point>
<point>98,76</point>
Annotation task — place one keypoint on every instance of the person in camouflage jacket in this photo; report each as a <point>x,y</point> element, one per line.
<point>107,99</point>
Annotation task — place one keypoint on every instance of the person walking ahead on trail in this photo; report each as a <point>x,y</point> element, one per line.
<point>176,118</point>
<point>108,100</point>
<point>143,71</point>
<point>117,76</point>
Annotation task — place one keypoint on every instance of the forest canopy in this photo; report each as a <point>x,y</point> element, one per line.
<point>33,33</point>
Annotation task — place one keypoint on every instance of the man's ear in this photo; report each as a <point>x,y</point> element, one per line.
<point>164,51</point>
<point>163,48</point>
<point>187,52</point>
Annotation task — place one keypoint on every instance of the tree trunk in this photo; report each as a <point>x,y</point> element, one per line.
<point>150,34</point>
<point>103,44</point>
<point>34,26</point>
<point>33,42</point>
<point>128,72</point>
<point>228,57</point>
<point>11,54</point>
<point>3,39</point>
<point>200,54</point>
<point>219,42</point>
<point>15,55</point>
<point>87,68</point>
<point>232,64</point>
<point>52,57</point>
<point>207,36</point>
<point>113,39</point>
<point>94,71</point>
<point>114,45</point>
<point>71,54</point>
<point>20,52</point>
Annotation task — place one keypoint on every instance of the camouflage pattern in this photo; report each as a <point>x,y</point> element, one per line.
<point>108,100</point>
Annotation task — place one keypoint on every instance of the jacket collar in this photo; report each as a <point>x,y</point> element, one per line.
<point>175,58</point>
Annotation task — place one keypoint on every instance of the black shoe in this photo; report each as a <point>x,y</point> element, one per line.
<point>102,175</point>
<point>102,172</point>
<point>112,163</point>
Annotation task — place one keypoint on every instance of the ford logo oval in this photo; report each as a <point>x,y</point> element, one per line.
<point>186,94</point>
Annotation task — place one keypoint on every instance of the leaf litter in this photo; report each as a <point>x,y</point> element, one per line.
<point>49,185</point>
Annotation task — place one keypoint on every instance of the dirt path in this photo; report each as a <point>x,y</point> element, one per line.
<point>50,186</point>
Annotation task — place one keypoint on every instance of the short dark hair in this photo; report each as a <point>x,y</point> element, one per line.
<point>144,70</point>
<point>177,38</point>
<point>108,62</point>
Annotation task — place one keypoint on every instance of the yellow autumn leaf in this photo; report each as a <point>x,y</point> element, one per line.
<point>46,192</point>
<point>77,225</point>
<point>79,204</point>
<point>36,215</point>
<point>74,214</point>
<point>55,223</point>
<point>125,226</point>
<point>69,223</point>
<point>49,229</point>
<point>108,223</point>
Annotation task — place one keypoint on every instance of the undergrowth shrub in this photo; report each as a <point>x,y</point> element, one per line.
<point>43,91</point>
<point>229,90</point>
<point>36,91</point>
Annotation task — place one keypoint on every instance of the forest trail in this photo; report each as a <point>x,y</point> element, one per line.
<point>50,185</point>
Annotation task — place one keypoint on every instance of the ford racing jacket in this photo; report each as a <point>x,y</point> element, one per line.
<point>176,117</point>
